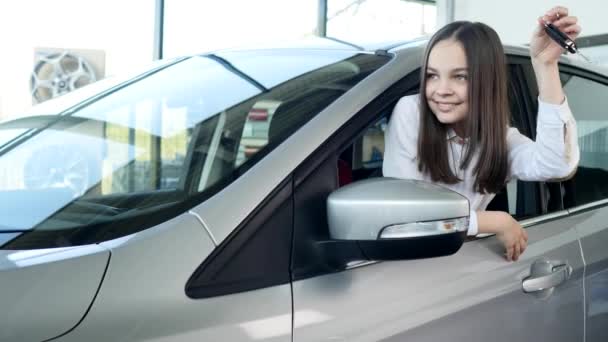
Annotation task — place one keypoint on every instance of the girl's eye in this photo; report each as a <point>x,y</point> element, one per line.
<point>432,76</point>
<point>461,77</point>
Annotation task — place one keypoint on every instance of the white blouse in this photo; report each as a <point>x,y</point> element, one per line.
<point>554,154</point>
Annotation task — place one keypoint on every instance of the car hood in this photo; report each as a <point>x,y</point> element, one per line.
<point>46,293</point>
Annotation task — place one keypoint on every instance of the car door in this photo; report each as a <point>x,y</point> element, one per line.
<point>586,194</point>
<point>473,295</point>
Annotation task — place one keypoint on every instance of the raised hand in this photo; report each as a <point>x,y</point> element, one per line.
<point>542,48</point>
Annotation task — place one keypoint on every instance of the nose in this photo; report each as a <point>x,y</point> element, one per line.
<point>443,87</point>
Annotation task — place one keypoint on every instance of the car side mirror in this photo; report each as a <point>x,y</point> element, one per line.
<point>392,219</point>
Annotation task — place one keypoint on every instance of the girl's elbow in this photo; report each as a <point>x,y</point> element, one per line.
<point>569,171</point>
<point>563,172</point>
<point>571,161</point>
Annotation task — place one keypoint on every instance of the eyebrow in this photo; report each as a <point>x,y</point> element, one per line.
<point>453,70</point>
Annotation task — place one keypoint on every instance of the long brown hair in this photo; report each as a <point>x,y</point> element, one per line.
<point>488,116</point>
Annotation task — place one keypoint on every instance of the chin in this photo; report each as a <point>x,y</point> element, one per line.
<point>448,118</point>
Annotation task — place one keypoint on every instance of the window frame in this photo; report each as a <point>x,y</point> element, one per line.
<point>526,90</point>
<point>531,81</point>
<point>246,246</point>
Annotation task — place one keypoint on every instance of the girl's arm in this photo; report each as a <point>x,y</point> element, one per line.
<point>555,154</point>
<point>507,230</point>
<point>549,84</point>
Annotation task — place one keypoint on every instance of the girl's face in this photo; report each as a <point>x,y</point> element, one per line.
<point>447,83</point>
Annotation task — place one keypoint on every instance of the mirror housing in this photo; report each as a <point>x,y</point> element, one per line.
<point>392,219</point>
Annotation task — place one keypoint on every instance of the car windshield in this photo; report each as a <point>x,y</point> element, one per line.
<point>154,147</point>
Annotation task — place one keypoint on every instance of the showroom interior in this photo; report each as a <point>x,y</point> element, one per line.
<point>303,170</point>
<point>115,37</point>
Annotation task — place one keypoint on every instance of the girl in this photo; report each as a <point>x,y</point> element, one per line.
<point>455,132</point>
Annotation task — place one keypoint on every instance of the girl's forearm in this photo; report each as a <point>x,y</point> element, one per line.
<point>549,84</point>
<point>492,222</point>
<point>507,230</point>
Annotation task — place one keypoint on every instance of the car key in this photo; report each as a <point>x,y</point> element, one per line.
<point>563,40</point>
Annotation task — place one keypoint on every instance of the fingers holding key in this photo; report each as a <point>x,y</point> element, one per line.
<point>555,13</point>
<point>568,25</point>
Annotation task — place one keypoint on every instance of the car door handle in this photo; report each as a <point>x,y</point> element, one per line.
<point>558,275</point>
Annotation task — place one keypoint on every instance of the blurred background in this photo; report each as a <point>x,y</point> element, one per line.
<point>88,41</point>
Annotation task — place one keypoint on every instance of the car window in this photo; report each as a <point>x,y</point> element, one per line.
<point>588,100</point>
<point>363,158</point>
<point>160,145</point>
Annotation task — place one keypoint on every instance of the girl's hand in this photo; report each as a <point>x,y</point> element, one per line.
<point>542,48</point>
<point>514,238</point>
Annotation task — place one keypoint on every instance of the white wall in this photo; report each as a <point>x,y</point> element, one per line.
<point>196,26</point>
<point>514,20</point>
<point>380,20</point>
<point>122,29</point>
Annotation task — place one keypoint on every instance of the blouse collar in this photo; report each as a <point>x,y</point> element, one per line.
<point>452,136</point>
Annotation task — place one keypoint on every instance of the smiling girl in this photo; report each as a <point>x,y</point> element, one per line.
<point>456,131</point>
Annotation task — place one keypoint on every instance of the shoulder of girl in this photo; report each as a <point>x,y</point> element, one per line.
<point>408,105</point>
<point>514,136</point>
<point>511,131</point>
<point>410,99</point>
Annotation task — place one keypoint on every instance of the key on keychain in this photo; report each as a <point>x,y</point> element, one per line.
<point>563,40</point>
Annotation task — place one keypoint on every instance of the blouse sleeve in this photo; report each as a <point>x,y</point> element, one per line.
<point>554,154</point>
<point>401,140</point>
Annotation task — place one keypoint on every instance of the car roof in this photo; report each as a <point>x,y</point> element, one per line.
<point>324,43</point>
<point>510,49</point>
<point>398,47</point>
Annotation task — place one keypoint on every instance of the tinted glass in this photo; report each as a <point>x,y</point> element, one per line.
<point>155,148</point>
<point>589,103</point>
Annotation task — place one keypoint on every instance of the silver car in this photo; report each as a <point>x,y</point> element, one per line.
<point>238,196</point>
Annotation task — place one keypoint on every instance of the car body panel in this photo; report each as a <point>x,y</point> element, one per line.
<point>592,227</point>
<point>45,293</point>
<point>473,295</point>
<point>143,297</point>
